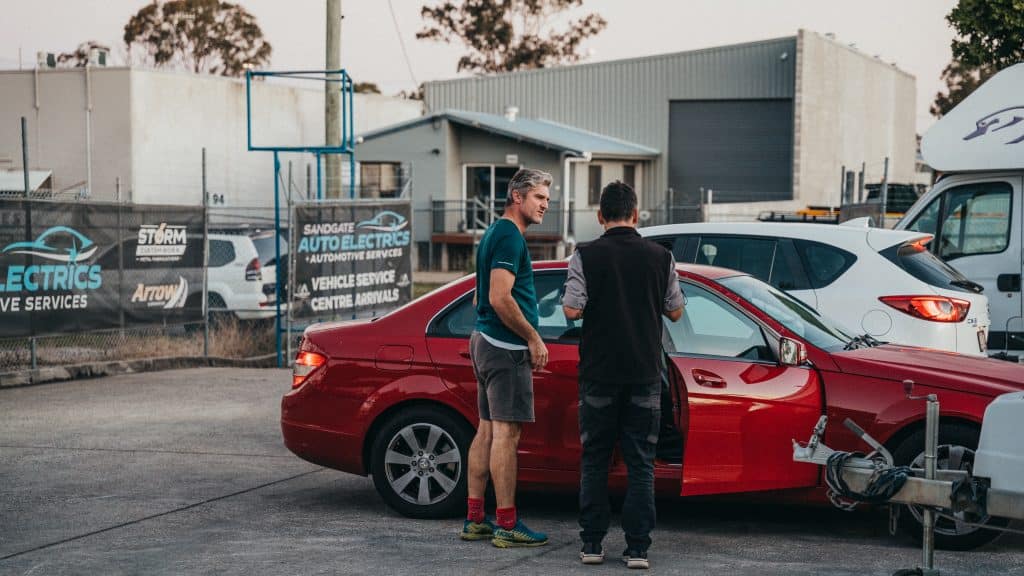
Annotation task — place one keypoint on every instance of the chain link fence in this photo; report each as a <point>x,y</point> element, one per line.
<point>132,316</point>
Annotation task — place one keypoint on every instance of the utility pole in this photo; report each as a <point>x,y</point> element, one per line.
<point>332,100</point>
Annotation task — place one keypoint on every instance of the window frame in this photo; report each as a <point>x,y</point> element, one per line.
<point>807,267</point>
<point>771,337</point>
<point>591,182</point>
<point>936,245</point>
<point>379,190</point>
<point>433,327</point>
<point>234,253</point>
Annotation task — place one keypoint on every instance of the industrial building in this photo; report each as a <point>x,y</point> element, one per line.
<point>766,125</point>
<point>137,135</point>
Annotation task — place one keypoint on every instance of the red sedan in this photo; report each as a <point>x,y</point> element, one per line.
<point>748,368</point>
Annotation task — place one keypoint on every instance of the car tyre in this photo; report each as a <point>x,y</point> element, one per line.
<point>419,461</point>
<point>957,442</point>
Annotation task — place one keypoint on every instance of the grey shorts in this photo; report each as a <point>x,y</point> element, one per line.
<point>504,381</point>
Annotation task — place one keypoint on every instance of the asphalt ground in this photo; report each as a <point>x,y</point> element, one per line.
<point>184,472</point>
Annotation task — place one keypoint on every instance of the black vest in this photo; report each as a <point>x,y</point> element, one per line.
<point>627,279</point>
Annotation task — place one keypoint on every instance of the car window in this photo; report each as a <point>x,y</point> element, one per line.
<point>712,327</point>
<point>790,312</point>
<point>751,255</point>
<point>975,220</point>
<point>787,272</point>
<point>928,220</point>
<point>677,246</point>
<point>460,320</point>
<point>823,263</point>
<point>915,258</point>
<point>222,252</point>
<point>265,248</point>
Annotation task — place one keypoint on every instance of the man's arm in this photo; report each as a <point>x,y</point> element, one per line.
<point>512,317</point>
<point>674,299</point>
<point>574,297</point>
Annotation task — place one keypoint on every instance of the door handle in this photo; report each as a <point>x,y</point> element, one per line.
<point>464,352</point>
<point>1008,282</point>
<point>708,379</point>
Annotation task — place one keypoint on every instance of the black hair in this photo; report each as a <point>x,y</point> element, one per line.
<point>618,201</point>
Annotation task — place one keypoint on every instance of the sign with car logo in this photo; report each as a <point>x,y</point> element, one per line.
<point>70,267</point>
<point>352,259</point>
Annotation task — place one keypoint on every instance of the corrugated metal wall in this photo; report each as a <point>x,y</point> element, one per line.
<point>741,149</point>
<point>630,99</point>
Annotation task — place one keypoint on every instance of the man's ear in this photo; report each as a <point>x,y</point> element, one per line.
<point>600,218</point>
<point>636,216</point>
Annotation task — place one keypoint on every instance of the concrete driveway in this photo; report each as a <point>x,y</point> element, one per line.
<point>183,472</point>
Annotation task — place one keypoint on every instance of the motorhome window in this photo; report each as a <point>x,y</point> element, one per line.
<point>976,220</point>
<point>928,220</point>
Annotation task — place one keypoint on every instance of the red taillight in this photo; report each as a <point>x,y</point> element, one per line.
<point>934,308</point>
<point>252,270</point>
<point>305,364</point>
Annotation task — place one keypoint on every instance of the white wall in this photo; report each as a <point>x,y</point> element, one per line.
<point>149,127</point>
<point>849,108</point>
<point>54,104</point>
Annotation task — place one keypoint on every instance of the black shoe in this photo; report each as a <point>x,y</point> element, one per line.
<point>636,559</point>
<point>592,553</point>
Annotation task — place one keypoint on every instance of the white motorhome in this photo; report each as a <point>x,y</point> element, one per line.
<point>976,209</point>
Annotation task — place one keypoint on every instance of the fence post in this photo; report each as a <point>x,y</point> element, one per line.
<point>206,262</point>
<point>885,192</point>
<point>24,153</point>
<point>32,351</point>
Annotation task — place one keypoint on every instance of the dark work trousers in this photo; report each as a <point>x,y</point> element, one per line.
<point>628,413</point>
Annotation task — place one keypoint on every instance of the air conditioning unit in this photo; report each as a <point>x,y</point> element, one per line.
<point>46,59</point>
<point>98,56</point>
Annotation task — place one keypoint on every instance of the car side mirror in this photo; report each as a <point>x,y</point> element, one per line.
<point>792,352</point>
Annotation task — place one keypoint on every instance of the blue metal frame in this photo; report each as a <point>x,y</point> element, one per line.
<point>347,146</point>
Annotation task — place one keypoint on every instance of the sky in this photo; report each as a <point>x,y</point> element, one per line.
<point>911,33</point>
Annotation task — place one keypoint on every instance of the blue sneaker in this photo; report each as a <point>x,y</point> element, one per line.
<point>519,536</point>
<point>477,530</point>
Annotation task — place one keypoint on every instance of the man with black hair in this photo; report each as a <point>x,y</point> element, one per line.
<point>504,347</point>
<point>620,285</point>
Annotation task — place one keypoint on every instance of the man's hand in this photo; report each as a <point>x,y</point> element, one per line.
<point>538,353</point>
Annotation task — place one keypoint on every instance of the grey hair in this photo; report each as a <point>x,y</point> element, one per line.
<point>527,179</point>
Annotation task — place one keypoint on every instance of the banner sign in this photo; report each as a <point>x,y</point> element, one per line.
<point>351,259</point>
<point>72,267</point>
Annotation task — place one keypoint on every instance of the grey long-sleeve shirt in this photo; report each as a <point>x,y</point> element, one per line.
<point>576,287</point>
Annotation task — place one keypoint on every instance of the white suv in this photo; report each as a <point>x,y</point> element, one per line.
<point>883,284</point>
<point>241,275</point>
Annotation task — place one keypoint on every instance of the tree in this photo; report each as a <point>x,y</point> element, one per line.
<point>366,88</point>
<point>990,37</point>
<point>960,81</point>
<point>416,94</point>
<point>80,57</point>
<point>199,35</point>
<point>991,32</point>
<point>506,35</point>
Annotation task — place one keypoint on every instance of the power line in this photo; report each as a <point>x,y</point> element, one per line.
<point>401,43</point>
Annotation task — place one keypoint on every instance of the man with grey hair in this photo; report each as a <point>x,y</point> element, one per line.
<point>504,347</point>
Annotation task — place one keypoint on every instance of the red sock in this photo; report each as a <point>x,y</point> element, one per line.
<point>507,518</point>
<point>475,508</point>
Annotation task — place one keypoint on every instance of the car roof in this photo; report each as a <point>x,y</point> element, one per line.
<point>699,270</point>
<point>841,235</point>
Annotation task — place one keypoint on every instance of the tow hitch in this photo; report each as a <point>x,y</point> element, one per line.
<point>995,487</point>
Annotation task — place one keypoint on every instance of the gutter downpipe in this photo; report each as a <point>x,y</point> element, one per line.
<point>569,158</point>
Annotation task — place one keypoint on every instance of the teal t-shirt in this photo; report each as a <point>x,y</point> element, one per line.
<point>502,246</point>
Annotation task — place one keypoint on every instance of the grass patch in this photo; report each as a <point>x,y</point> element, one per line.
<point>421,288</point>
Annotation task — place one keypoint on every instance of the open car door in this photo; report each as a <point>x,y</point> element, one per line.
<point>744,406</point>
